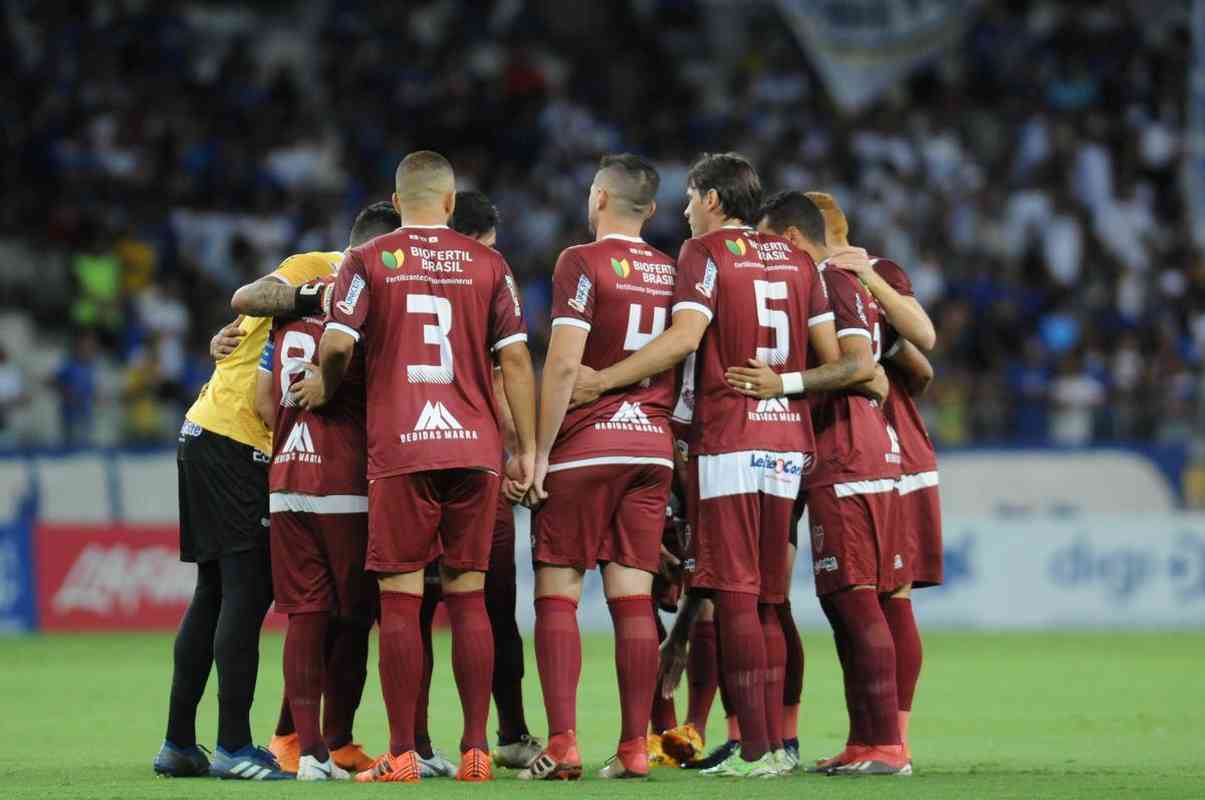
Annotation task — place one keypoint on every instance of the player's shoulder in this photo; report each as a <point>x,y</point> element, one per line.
<point>883,265</point>
<point>305,267</point>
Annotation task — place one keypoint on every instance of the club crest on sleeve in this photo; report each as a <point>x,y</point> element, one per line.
<point>706,286</point>
<point>578,303</point>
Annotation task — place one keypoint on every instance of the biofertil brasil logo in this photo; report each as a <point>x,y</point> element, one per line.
<point>393,260</point>
<point>621,266</point>
<point>736,246</point>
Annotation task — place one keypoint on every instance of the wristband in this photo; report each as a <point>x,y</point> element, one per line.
<point>792,382</point>
<point>307,300</point>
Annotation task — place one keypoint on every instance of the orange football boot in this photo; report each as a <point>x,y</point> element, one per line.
<point>352,758</point>
<point>392,769</point>
<point>683,744</point>
<point>476,766</point>
<point>287,750</point>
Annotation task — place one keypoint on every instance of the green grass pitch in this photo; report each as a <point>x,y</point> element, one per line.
<point>1091,715</point>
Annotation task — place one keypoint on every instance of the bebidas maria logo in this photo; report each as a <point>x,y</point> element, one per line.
<point>774,409</point>
<point>773,405</point>
<point>436,422</point>
<point>629,417</point>
<point>299,447</point>
<point>630,412</point>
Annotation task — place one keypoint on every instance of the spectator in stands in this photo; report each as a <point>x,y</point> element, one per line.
<point>76,381</point>
<point>12,395</point>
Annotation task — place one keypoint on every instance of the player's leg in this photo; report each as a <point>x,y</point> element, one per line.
<point>776,521</point>
<point>304,589</point>
<point>192,659</point>
<point>909,653</point>
<point>347,638</point>
<point>403,520</point>
<point>469,501</point>
<point>664,716</point>
<point>516,746</point>
<point>432,594</point>
<point>792,690</point>
<point>246,597</point>
<point>685,743</point>
<point>632,553</point>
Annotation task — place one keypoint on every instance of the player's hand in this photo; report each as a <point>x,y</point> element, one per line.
<point>224,341</point>
<point>520,470</point>
<point>310,391</point>
<point>587,389</point>
<point>851,259</point>
<point>878,387</point>
<point>517,482</point>
<point>673,664</point>
<point>671,565</point>
<point>756,380</point>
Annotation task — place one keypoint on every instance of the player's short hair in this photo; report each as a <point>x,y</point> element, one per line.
<point>834,218</point>
<point>474,214</point>
<point>734,179</point>
<point>632,180</point>
<point>423,176</point>
<point>794,209</point>
<point>373,221</point>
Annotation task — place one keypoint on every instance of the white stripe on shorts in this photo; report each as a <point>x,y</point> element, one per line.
<point>318,504</point>
<point>864,487</point>
<point>920,480</point>
<point>603,461</point>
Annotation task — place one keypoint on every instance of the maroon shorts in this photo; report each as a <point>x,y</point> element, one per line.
<point>856,536</point>
<point>416,518</point>
<point>608,512</point>
<point>920,520</point>
<point>740,537</point>
<point>318,564</point>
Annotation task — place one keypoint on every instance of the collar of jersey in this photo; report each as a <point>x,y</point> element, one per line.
<point>624,237</point>
<point>428,227</point>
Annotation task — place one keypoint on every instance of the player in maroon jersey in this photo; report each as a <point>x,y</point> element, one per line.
<point>476,216</point>
<point>428,305</point>
<point>909,371</point>
<point>603,471</point>
<point>739,294</point>
<point>857,546</point>
<point>318,537</point>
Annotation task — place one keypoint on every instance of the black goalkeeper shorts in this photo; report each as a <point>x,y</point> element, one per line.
<point>223,495</point>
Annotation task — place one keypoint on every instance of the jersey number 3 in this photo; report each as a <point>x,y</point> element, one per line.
<point>437,334</point>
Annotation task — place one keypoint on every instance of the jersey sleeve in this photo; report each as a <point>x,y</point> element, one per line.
<point>820,309</point>
<point>573,292</point>
<point>696,285</point>
<point>895,276</point>
<point>507,325</point>
<point>301,268</point>
<point>350,301</point>
<point>265,355</point>
<point>849,304</point>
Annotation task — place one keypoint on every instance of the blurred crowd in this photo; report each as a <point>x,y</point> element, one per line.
<point>160,154</point>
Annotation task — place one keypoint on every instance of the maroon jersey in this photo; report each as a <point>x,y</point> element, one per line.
<point>853,440</point>
<point>619,289</point>
<point>319,452</point>
<point>760,294</point>
<point>900,409</point>
<point>429,305</point>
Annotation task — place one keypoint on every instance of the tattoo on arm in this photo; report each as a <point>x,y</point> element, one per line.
<point>266,297</point>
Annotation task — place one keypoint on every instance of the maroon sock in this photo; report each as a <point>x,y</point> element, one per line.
<point>284,723</point>
<point>472,663</point>
<point>908,651</point>
<point>346,674</point>
<point>305,667</point>
<point>500,603</point>
<point>559,658</point>
<point>792,687</point>
<point>664,715</point>
<point>401,644</point>
<point>702,674</point>
<point>856,726</point>
<point>635,661</point>
<point>776,667</point>
<point>872,657</point>
<point>426,615</point>
<point>744,667</point>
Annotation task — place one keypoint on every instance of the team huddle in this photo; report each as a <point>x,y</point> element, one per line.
<point>691,411</point>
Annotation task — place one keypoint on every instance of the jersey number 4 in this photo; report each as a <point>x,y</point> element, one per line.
<point>635,339</point>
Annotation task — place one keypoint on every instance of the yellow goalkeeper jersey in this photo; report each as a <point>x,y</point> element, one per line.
<point>226,404</point>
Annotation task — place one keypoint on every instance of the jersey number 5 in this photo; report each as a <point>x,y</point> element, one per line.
<point>437,334</point>
<point>774,318</point>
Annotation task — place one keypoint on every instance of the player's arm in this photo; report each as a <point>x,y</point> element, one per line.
<point>561,365</point>
<point>265,405</point>
<point>283,293</point>
<point>906,313</point>
<point>678,341</point>
<point>850,363</point>
<point>913,365</point>
<point>519,381</point>
<point>507,420</point>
